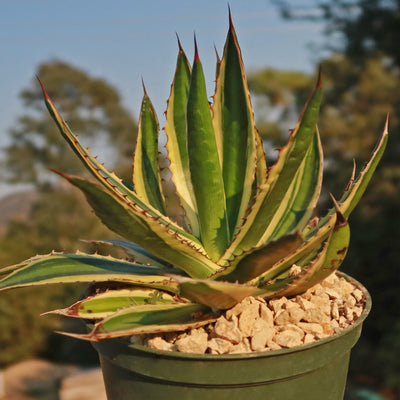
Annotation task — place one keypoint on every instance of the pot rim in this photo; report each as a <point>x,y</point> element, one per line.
<point>259,354</point>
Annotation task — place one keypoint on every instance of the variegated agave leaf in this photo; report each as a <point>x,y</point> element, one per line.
<point>81,267</point>
<point>107,303</point>
<point>149,318</point>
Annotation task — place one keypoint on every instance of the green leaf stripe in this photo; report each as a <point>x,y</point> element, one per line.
<point>177,142</point>
<point>146,171</point>
<point>205,167</point>
<point>235,132</point>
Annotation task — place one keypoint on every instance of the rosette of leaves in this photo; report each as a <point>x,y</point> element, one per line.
<point>247,228</point>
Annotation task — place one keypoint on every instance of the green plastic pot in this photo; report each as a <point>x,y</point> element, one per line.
<point>310,372</point>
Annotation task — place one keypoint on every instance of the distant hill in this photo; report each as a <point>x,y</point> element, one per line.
<point>16,206</point>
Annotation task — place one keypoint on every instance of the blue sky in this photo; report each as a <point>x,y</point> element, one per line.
<point>124,40</point>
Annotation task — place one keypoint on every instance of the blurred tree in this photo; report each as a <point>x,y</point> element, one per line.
<point>60,215</point>
<point>59,218</point>
<point>361,81</point>
<point>367,28</point>
<point>352,117</point>
<point>92,108</point>
<point>277,97</point>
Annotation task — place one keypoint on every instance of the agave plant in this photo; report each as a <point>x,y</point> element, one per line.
<point>247,228</point>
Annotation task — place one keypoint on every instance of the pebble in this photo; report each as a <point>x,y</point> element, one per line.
<point>195,342</point>
<point>219,346</point>
<point>291,316</point>
<point>263,333</point>
<point>335,311</point>
<point>242,347</point>
<point>258,325</point>
<point>228,329</point>
<point>248,319</point>
<point>317,315</point>
<point>303,303</point>
<point>358,294</point>
<point>278,304</point>
<point>311,328</point>
<point>267,314</point>
<point>290,327</point>
<point>160,344</point>
<point>288,338</point>
<point>309,338</point>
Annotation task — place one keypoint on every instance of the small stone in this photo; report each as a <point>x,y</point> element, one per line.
<point>252,300</point>
<point>349,300</point>
<point>316,315</point>
<point>262,334</point>
<point>159,343</point>
<point>335,310</point>
<point>357,294</point>
<point>242,347</point>
<point>358,311</point>
<point>345,286</point>
<point>238,308</point>
<point>258,342</point>
<point>343,322</point>
<point>196,342</point>
<point>322,302</point>
<point>290,327</point>
<point>282,317</point>
<point>248,318</point>
<point>296,315</point>
<point>331,281</point>
<point>332,293</point>
<point>137,339</point>
<point>307,294</point>
<point>290,316</point>
<point>318,289</point>
<point>304,304</point>
<point>335,325</point>
<point>327,329</point>
<point>311,328</point>
<point>294,270</point>
<point>266,314</point>
<point>288,338</point>
<point>278,304</point>
<point>309,338</point>
<point>219,346</point>
<point>349,312</point>
<point>273,345</point>
<point>321,336</point>
<point>290,304</point>
<point>228,329</point>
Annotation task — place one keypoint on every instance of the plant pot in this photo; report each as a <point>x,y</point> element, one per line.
<point>310,372</point>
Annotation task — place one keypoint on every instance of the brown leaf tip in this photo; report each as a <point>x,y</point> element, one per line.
<point>216,52</point>
<point>230,18</point>
<point>144,88</point>
<point>387,123</point>
<point>196,50</point>
<point>319,80</point>
<point>45,94</point>
<point>179,43</point>
<point>340,219</point>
